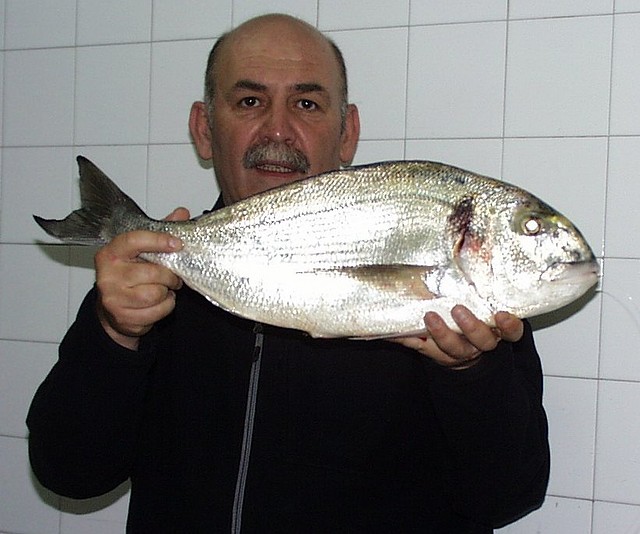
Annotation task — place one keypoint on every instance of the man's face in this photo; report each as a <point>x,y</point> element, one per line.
<point>276,111</point>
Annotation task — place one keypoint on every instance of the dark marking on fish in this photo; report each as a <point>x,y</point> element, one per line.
<point>466,242</point>
<point>460,219</point>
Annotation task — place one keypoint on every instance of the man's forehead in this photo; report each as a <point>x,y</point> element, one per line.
<point>264,72</point>
<point>277,46</point>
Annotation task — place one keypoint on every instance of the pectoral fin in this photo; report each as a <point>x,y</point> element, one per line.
<point>408,280</point>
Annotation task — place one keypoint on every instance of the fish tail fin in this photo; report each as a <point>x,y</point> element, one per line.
<point>101,216</point>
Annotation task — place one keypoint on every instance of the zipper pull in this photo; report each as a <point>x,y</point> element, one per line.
<point>258,330</point>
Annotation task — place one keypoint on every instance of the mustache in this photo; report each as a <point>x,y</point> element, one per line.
<point>278,154</point>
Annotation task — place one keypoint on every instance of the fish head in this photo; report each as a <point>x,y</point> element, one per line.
<point>532,260</point>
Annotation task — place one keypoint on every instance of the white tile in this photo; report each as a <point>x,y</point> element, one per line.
<point>558,8</point>
<point>26,506</point>
<point>190,19</point>
<point>341,15</point>
<point>610,518</point>
<point>2,10</point>
<point>623,190</point>
<point>303,9</point>
<point>482,156</point>
<point>456,80</point>
<point>567,173</point>
<point>37,24</point>
<point>116,21</point>
<point>568,339</point>
<point>625,108</point>
<point>34,115</point>
<point>2,54</point>
<point>33,285</point>
<point>624,6</point>
<point>620,320</point>
<point>571,409</point>
<point>374,151</point>
<point>558,516</point>
<point>177,80</point>
<point>36,181</point>
<point>617,452</point>
<point>112,95</point>
<point>380,97</point>
<point>23,366</point>
<point>558,80</point>
<point>177,178</point>
<point>81,524</point>
<point>444,11</point>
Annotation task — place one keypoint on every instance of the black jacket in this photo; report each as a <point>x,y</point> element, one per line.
<point>347,436</point>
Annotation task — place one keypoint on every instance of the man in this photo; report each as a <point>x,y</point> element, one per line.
<point>222,424</point>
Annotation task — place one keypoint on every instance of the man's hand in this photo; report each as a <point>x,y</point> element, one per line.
<point>133,294</point>
<point>460,351</point>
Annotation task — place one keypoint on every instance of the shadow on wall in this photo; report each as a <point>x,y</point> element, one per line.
<point>83,506</point>
<point>70,255</point>
<point>546,320</point>
<point>88,506</point>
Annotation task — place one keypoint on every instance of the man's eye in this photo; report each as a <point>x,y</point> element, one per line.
<point>307,105</point>
<point>249,102</point>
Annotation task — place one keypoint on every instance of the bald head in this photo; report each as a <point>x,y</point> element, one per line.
<point>273,30</point>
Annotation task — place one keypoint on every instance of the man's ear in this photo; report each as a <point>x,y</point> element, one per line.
<point>350,135</point>
<point>200,130</point>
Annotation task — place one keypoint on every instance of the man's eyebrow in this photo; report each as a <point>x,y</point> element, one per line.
<point>250,85</point>
<point>309,88</point>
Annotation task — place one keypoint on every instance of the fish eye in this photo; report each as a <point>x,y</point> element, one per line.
<point>532,226</point>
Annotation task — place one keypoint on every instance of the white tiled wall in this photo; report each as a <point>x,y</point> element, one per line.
<point>543,94</point>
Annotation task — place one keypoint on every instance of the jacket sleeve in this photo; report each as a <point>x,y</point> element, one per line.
<point>84,417</point>
<point>495,427</point>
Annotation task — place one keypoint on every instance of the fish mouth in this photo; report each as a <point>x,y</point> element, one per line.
<point>579,272</point>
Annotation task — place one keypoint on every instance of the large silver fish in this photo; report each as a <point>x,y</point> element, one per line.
<point>361,252</point>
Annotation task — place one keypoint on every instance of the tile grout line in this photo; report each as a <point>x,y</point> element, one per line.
<point>600,382</point>
<point>504,88</point>
<point>406,85</point>
<point>74,145</point>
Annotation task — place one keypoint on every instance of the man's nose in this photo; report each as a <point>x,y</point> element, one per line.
<point>279,125</point>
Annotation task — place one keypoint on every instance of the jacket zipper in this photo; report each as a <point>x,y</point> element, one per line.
<point>249,419</point>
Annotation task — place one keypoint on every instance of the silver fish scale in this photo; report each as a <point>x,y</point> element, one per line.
<point>282,252</point>
<point>342,219</point>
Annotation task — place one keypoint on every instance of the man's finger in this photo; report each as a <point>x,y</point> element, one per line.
<point>477,333</point>
<point>509,326</point>
<point>178,214</point>
<point>130,245</point>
